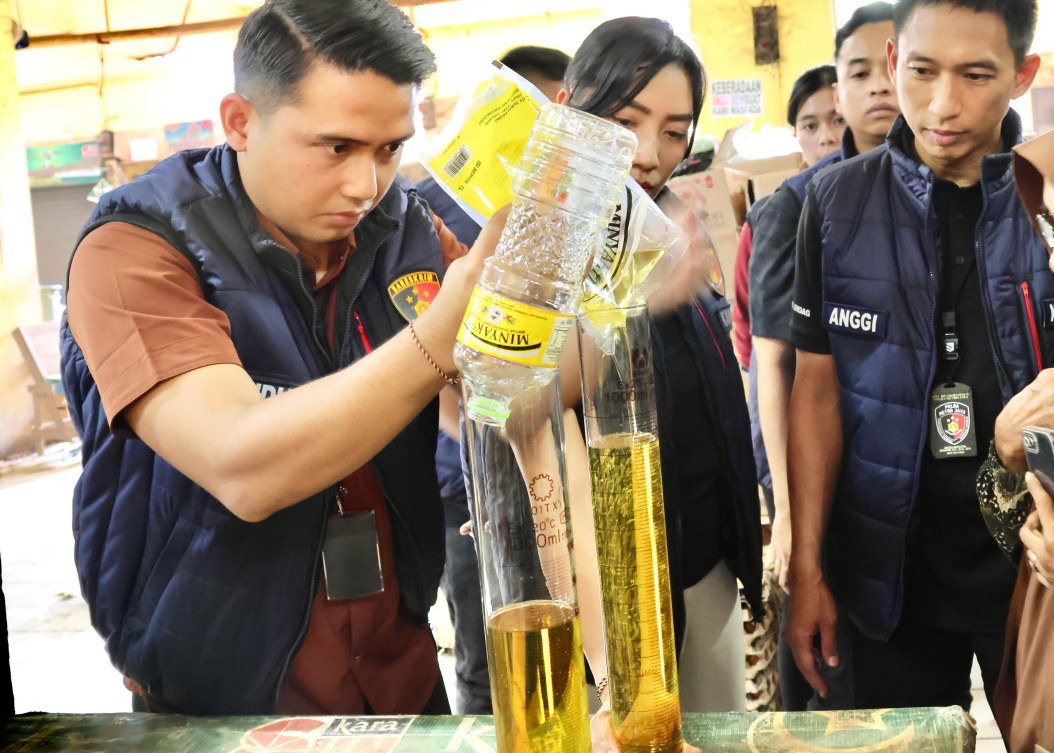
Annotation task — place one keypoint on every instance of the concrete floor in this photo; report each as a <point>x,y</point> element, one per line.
<point>58,661</point>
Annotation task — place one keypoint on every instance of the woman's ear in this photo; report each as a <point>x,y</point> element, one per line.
<point>563,97</point>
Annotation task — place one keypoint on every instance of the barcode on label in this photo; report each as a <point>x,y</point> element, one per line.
<point>458,161</point>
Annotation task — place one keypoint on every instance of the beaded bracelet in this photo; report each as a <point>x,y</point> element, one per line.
<point>602,685</point>
<point>453,382</point>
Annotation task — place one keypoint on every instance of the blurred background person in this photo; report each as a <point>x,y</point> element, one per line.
<point>864,106</point>
<point>637,72</point>
<point>1024,695</point>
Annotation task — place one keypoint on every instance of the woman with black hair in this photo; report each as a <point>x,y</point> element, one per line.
<point>811,112</point>
<point>638,73</point>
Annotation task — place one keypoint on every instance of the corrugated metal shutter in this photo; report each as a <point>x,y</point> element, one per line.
<point>59,213</point>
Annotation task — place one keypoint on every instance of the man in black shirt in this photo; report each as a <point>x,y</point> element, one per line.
<point>868,102</point>
<point>903,367</point>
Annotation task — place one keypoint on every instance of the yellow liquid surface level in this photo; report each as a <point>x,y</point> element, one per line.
<point>537,675</point>
<point>635,589</point>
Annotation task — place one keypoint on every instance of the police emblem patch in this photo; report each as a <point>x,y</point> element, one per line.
<point>414,292</point>
<point>953,422</point>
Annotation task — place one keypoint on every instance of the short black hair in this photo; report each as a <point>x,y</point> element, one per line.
<point>1020,17</point>
<point>281,39</point>
<point>872,13</point>
<point>550,63</point>
<point>813,80</point>
<point>621,57</point>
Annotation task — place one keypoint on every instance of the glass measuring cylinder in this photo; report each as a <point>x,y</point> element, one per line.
<point>523,536</point>
<point>621,422</point>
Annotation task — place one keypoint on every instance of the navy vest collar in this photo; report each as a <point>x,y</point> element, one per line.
<point>995,168</point>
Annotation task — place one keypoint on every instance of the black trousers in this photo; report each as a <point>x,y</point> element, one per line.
<point>7,695</point>
<point>918,666</point>
<point>461,584</point>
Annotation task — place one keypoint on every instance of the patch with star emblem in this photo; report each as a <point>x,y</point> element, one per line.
<point>414,292</point>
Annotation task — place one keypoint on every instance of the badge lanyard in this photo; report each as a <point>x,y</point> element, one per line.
<point>952,430</point>
<point>351,554</point>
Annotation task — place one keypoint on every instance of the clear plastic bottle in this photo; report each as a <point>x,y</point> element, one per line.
<point>509,346</point>
<point>522,310</point>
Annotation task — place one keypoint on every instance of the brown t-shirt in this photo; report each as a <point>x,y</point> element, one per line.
<point>138,312</point>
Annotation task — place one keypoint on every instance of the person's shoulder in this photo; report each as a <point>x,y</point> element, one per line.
<point>861,166</point>
<point>182,178</point>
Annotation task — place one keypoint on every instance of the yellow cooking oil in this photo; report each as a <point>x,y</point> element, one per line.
<point>635,589</point>
<point>538,678</point>
<point>621,281</point>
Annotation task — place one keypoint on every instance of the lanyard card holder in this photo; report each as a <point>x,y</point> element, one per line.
<point>351,557</point>
<point>953,433</point>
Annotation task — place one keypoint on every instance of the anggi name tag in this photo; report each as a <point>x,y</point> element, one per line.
<point>351,557</point>
<point>952,430</point>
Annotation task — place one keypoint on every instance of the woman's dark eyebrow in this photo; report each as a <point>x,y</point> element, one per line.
<point>686,118</point>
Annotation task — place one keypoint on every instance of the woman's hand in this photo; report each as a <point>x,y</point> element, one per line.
<point>1038,533</point>
<point>781,549</point>
<point>690,274</point>
<point>602,734</point>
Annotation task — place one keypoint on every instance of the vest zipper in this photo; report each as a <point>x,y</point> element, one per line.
<point>345,346</point>
<point>1032,326</point>
<point>416,557</point>
<point>929,240</point>
<point>982,275</point>
<point>711,330</point>
<point>327,359</point>
<point>302,634</point>
<point>362,334</point>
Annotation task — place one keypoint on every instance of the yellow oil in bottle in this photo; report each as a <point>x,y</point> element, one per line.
<point>622,285</point>
<point>635,589</point>
<point>537,675</point>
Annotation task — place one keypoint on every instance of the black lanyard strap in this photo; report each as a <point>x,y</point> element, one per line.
<point>949,347</point>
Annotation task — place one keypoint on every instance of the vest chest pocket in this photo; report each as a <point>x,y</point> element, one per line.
<point>854,320</point>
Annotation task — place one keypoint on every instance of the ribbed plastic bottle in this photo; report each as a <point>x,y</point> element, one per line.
<point>508,350</point>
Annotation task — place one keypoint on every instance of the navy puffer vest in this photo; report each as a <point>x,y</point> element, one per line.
<point>880,255</point>
<point>202,609</point>
<point>708,320</point>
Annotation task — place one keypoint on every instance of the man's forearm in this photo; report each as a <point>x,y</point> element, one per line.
<point>775,375</point>
<point>814,453</point>
<point>259,456</point>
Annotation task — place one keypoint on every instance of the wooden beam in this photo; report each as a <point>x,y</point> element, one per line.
<point>203,27</point>
<point>121,35</point>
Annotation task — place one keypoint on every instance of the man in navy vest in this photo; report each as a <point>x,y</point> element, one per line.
<point>256,337</point>
<point>915,320</point>
<point>866,99</point>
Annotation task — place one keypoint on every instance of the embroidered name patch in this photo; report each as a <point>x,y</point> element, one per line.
<point>1048,313</point>
<point>853,320</point>
<point>413,293</point>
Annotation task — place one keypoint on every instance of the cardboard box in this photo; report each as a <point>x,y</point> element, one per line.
<point>722,195</point>
<point>769,165</point>
<point>767,183</point>
<point>710,195</point>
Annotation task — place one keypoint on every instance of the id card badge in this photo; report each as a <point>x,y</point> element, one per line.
<point>351,557</point>
<point>952,430</point>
